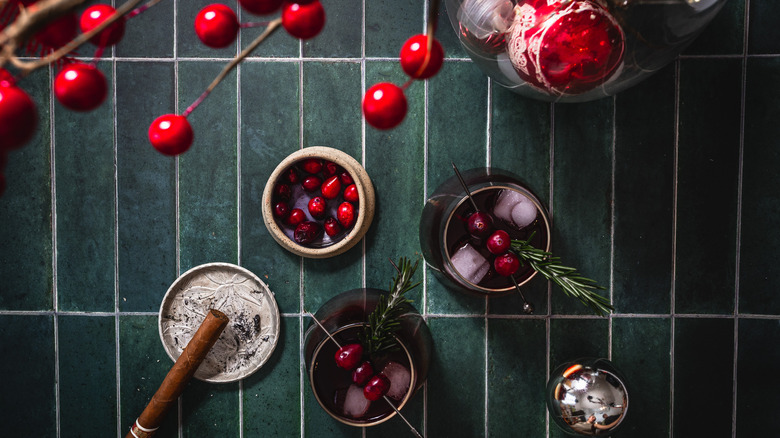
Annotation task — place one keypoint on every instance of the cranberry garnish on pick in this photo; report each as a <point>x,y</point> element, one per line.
<point>376,387</point>
<point>498,242</point>
<point>348,357</point>
<point>480,223</point>
<point>506,264</point>
<point>362,373</point>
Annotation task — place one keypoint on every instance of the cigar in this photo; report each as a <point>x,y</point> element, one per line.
<point>180,374</point>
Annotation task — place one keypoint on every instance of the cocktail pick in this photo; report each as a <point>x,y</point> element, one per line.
<point>528,308</point>
<point>314,318</point>
<point>478,223</point>
<point>465,187</point>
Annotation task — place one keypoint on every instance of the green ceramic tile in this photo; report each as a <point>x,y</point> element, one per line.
<point>708,157</point>
<point>317,423</point>
<point>639,345</point>
<point>724,35</point>
<point>456,381</point>
<point>325,278</point>
<point>25,213</point>
<point>280,44</point>
<point>517,377</point>
<point>85,206</point>
<point>146,187</point>
<point>272,396</point>
<point>758,272</point>
<point>143,366</point>
<point>87,387</point>
<point>208,181</point>
<point>763,33</point>
<point>340,38</point>
<point>582,190</point>
<point>269,132</point>
<point>758,358</point>
<point>644,195</point>
<point>210,409</point>
<point>396,427</point>
<point>697,367</point>
<point>394,161</point>
<point>29,391</point>
<point>150,34</point>
<point>331,106</point>
<point>187,42</point>
<point>571,339</point>
<point>389,23</point>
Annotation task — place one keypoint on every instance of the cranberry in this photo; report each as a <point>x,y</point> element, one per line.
<point>80,87</point>
<point>296,216</point>
<point>312,165</point>
<point>331,187</point>
<point>376,387</point>
<point>292,176</point>
<point>346,214</point>
<point>362,373</point>
<point>479,224</point>
<point>330,168</point>
<point>346,178</point>
<point>171,134</point>
<point>282,192</point>
<point>317,207</point>
<point>18,117</point>
<point>216,25</point>
<point>384,105</point>
<point>351,193</point>
<point>96,15</point>
<point>332,227</point>
<point>311,183</point>
<point>303,20</point>
<point>307,232</point>
<point>506,264</point>
<point>349,356</point>
<point>498,242</point>
<point>413,54</point>
<point>260,7</point>
<point>281,210</point>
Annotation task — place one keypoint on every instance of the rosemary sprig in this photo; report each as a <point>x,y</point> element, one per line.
<point>377,336</point>
<point>571,281</point>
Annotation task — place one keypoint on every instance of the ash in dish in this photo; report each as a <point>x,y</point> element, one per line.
<point>251,334</point>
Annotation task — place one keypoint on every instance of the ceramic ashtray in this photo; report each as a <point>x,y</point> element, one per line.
<point>249,338</point>
<point>318,202</point>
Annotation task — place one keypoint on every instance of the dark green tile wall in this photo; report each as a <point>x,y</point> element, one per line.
<point>667,194</point>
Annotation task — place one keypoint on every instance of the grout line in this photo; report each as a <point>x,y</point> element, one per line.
<point>612,227</point>
<point>489,124</point>
<point>301,361</point>
<point>238,209</point>
<point>548,317</point>
<point>672,288</point>
<point>115,314</point>
<point>180,414</point>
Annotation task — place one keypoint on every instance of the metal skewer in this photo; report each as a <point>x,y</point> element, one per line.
<point>416,433</point>
<point>528,308</point>
<point>465,187</point>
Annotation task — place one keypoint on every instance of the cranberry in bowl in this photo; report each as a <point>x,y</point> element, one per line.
<point>318,202</point>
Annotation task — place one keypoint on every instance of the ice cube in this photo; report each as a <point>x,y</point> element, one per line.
<point>470,263</point>
<point>524,213</point>
<point>355,403</point>
<point>515,208</point>
<point>399,377</point>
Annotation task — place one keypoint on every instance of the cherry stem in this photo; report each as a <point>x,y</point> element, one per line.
<point>272,26</point>
<point>314,318</point>
<point>98,54</point>
<point>406,84</point>
<point>141,9</point>
<point>465,187</point>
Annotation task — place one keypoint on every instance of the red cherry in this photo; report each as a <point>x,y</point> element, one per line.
<point>216,25</point>
<point>311,183</point>
<point>362,373</point>
<point>376,387</point>
<point>59,32</point>
<point>307,232</point>
<point>281,210</point>
<point>312,165</point>
<point>260,7</point>
<point>317,207</point>
<point>171,134</point>
<point>18,117</point>
<point>97,14</point>
<point>346,214</point>
<point>384,105</point>
<point>303,20</point>
<point>479,224</point>
<point>348,356</point>
<point>506,264</point>
<point>296,216</point>
<point>351,193</point>
<point>331,187</point>
<point>346,178</point>
<point>80,87</point>
<point>498,242</point>
<point>292,176</point>
<point>332,227</point>
<point>282,192</point>
<point>413,54</point>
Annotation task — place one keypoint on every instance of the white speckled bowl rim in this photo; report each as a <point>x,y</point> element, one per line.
<point>267,312</point>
